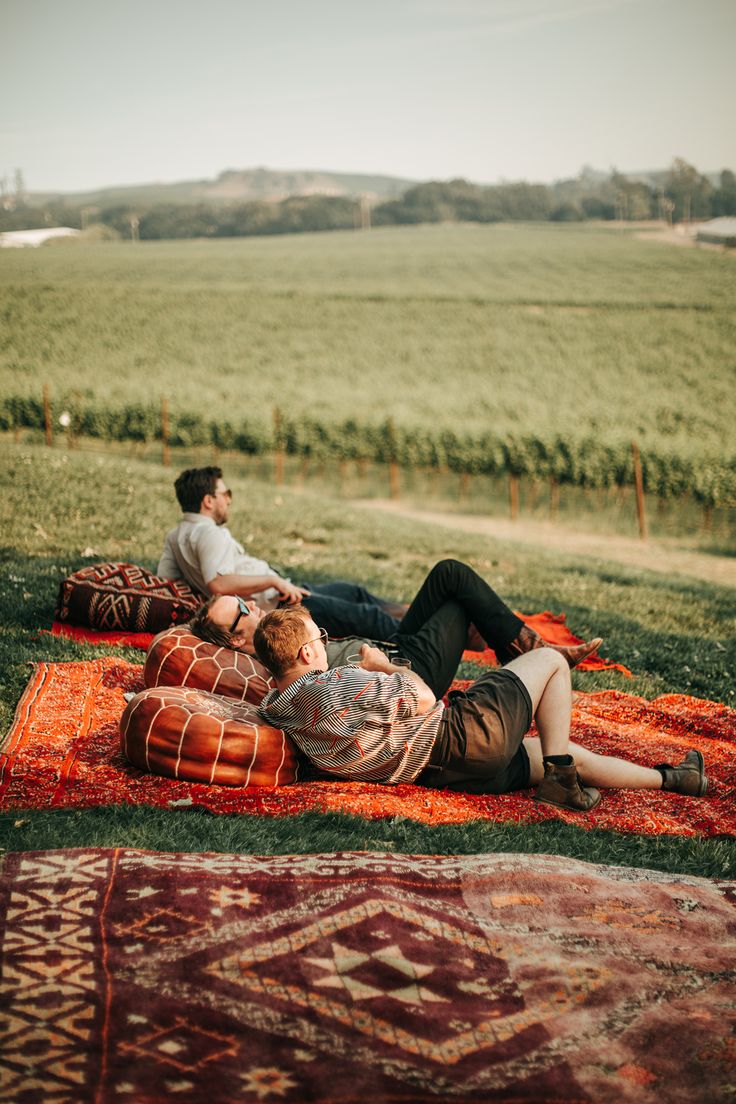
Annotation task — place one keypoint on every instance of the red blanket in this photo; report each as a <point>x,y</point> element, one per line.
<point>63,751</point>
<point>551,626</point>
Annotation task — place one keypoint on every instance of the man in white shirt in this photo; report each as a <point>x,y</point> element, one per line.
<point>202,551</point>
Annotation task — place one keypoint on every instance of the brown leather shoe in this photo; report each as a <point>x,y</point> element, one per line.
<point>561,786</point>
<point>686,778</point>
<point>528,640</point>
<point>475,642</point>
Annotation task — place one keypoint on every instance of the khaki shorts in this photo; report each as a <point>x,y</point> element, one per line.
<point>479,747</point>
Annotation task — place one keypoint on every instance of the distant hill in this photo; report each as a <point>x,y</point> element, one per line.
<point>237,186</point>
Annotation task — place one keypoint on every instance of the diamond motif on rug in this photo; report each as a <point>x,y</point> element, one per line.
<point>336,978</point>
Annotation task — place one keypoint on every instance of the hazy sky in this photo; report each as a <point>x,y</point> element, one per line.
<point>95,92</point>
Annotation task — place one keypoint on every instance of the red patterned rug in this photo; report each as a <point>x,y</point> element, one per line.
<point>63,751</point>
<point>134,976</point>
<point>551,626</point>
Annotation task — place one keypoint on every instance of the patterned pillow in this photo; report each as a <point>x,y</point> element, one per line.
<point>121,597</point>
<point>177,658</point>
<point>199,737</point>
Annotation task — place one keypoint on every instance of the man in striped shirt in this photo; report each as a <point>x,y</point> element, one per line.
<point>381,722</point>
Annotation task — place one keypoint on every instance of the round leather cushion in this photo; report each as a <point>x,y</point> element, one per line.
<point>199,737</point>
<point>178,658</point>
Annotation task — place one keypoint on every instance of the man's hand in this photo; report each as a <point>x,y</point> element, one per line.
<point>373,659</point>
<point>290,595</point>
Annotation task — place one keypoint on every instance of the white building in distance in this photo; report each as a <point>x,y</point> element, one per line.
<point>18,239</point>
<point>719,231</point>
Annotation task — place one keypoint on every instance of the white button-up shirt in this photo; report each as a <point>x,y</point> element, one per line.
<point>197,550</point>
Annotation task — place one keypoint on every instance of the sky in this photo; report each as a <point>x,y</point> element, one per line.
<point>95,93</point>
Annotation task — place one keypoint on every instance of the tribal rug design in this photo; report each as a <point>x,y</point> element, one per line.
<point>63,750</point>
<point>342,978</point>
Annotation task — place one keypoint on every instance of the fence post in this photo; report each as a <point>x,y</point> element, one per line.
<point>513,496</point>
<point>165,450</point>
<point>48,432</point>
<point>639,484</point>
<point>279,453</point>
<point>464,486</point>
<point>554,497</point>
<point>393,467</point>
<point>393,479</point>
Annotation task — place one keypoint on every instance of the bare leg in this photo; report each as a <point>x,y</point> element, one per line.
<point>597,770</point>
<point>546,675</point>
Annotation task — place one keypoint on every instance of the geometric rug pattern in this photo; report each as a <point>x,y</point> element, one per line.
<point>63,751</point>
<point>133,976</point>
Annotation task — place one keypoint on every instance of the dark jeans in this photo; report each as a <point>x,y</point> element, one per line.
<point>346,609</point>
<point>434,631</point>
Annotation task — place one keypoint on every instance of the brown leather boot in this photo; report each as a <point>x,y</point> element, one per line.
<point>686,778</point>
<point>475,642</point>
<point>561,786</point>
<point>528,640</point>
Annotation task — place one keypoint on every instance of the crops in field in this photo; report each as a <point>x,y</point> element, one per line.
<point>541,351</point>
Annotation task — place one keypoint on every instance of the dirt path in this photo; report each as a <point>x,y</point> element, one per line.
<point>655,555</point>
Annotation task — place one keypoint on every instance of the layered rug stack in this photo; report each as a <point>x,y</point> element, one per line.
<point>133,976</point>
<point>63,752</point>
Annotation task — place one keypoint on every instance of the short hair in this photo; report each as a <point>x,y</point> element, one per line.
<point>278,638</point>
<point>193,484</point>
<point>204,627</point>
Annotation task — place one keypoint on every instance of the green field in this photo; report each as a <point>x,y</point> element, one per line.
<point>63,509</point>
<point>539,348</point>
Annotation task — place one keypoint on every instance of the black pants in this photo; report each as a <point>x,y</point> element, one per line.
<point>434,631</point>
<point>346,609</point>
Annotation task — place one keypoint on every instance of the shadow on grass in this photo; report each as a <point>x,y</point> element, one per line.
<point>195,830</point>
<point>661,660</point>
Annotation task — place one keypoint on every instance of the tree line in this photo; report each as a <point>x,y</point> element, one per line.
<point>678,195</point>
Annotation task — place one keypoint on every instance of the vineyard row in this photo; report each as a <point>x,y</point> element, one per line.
<point>585,461</point>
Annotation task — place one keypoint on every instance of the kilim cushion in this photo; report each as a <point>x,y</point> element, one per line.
<point>199,737</point>
<point>177,658</point>
<point>123,597</point>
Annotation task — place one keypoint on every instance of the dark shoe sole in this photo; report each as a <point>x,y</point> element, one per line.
<point>703,777</point>
<point>562,805</point>
<point>576,653</point>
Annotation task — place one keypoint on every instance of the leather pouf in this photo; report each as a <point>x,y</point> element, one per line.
<point>199,737</point>
<point>177,658</point>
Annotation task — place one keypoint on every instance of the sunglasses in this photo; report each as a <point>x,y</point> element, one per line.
<point>227,493</point>
<point>243,611</point>
<point>322,636</point>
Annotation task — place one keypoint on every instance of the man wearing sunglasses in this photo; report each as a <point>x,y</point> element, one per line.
<point>202,551</point>
<point>431,636</point>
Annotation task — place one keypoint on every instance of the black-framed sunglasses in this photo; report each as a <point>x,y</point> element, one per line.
<point>226,492</point>
<point>243,611</point>
<point>322,636</point>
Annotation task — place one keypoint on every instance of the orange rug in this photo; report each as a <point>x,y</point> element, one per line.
<point>63,751</point>
<point>551,626</point>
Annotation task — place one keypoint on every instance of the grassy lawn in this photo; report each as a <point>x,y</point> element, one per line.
<point>62,509</point>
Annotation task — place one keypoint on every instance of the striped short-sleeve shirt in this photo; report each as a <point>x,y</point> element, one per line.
<point>357,724</point>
